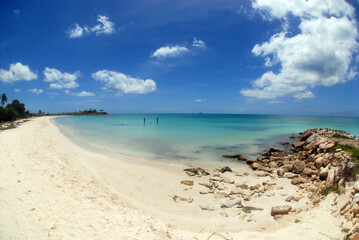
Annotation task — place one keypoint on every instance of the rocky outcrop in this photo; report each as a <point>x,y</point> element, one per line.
<point>311,160</point>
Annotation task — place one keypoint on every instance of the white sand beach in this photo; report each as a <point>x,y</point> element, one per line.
<point>51,188</point>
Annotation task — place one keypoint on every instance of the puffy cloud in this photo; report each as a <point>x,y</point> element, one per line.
<point>198,43</point>
<point>36,91</point>
<point>17,72</point>
<point>17,90</point>
<point>59,80</point>
<point>80,94</point>
<point>76,31</point>
<point>105,26</point>
<point>121,83</point>
<point>200,100</point>
<point>164,52</point>
<point>320,54</point>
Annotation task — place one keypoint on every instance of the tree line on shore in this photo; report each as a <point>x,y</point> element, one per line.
<point>16,110</point>
<point>12,111</point>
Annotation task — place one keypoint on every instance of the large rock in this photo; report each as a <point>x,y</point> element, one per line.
<point>311,139</point>
<point>331,178</point>
<point>298,167</point>
<point>280,210</point>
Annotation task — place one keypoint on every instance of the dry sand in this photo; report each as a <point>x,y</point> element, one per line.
<point>51,188</point>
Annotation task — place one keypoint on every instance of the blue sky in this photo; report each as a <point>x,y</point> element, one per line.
<point>161,56</point>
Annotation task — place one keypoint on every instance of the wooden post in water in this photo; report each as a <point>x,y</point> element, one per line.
<point>144,121</point>
<point>157,120</point>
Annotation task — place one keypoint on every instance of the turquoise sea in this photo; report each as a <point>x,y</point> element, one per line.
<point>194,137</point>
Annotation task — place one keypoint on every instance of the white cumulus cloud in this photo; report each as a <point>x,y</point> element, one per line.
<point>36,91</point>
<point>17,72</point>
<point>59,80</point>
<point>123,84</point>
<point>105,26</point>
<point>198,43</point>
<point>76,31</point>
<point>200,100</point>
<point>17,90</point>
<point>320,54</point>
<point>164,52</point>
<point>80,94</point>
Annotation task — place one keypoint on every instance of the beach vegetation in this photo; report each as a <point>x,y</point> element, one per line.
<point>325,191</point>
<point>3,99</point>
<point>337,135</point>
<point>354,155</point>
<point>12,111</point>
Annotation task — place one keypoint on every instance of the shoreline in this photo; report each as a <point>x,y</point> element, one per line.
<point>72,188</point>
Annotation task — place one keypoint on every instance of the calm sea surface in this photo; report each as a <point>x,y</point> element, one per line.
<point>194,137</point>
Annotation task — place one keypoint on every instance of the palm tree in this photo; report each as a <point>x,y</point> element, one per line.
<point>3,99</point>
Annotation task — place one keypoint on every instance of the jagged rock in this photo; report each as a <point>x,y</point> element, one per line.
<point>347,227</point>
<point>275,149</point>
<point>288,167</point>
<point>319,162</point>
<point>298,180</point>
<point>280,172</point>
<point>272,165</point>
<point>187,182</point>
<point>231,203</point>
<point>310,172</point>
<point>311,158</point>
<point>280,210</point>
<point>323,172</point>
<point>256,166</point>
<point>306,135</point>
<point>289,199</point>
<point>356,186</point>
<point>225,169</point>
<point>209,207</point>
<point>311,138</point>
<point>251,161</point>
<point>290,175</point>
<point>298,167</point>
<point>299,144</point>
<point>294,136</point>
<point>331,178</point>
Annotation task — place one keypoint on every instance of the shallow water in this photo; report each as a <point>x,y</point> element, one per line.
<point>194,137</point>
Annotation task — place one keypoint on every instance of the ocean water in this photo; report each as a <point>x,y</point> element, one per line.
<point>200,138</point>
